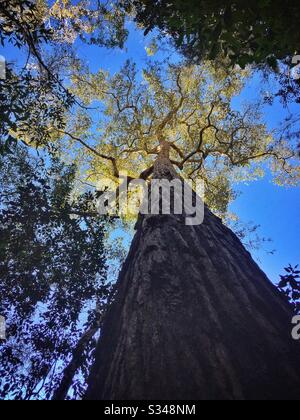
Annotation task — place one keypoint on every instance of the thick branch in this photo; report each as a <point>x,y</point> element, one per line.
<point>178,150</point>
<point>94,151</point>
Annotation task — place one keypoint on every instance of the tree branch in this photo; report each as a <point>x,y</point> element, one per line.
<point>94,151</point>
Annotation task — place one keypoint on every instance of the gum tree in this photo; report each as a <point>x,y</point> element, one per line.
<point>248,32</point>
<point>193,317</point>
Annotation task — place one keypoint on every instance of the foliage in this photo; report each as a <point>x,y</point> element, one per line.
<point>93,22</point>
<point>189,106</point>
<point>34,98</point>
<point>52,276</point>
<point>290,286</point>
<point>30,23</point>
<point>251,31</point>
<point>29,105</point>
<point>285,86</point>
<point>21,23</point>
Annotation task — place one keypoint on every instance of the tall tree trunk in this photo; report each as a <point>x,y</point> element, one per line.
<point>194,318</point>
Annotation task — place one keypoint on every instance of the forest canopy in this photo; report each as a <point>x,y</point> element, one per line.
<point>248,32</point>
<point>190,106</point>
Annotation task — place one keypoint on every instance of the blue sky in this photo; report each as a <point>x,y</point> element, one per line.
<point>275,209</point>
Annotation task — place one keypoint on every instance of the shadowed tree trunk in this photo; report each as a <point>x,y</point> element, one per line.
<point>194,318</point>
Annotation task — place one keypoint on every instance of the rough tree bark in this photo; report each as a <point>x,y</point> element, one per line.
<point>194,318</point>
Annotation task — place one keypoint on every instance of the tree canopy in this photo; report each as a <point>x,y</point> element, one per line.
<point>35,94</point>
<point>248,32</point>
<point>260,33</point>
<point>289,286</point>
<point>64,129</point>
<point>189,106</point>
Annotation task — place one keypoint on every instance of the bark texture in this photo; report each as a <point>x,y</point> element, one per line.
<point>194,318</point>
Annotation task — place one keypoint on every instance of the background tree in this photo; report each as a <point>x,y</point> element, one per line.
<point>247,32</point>
<point>53,279</point>
<point>187,106</point>
<point>35,96</point>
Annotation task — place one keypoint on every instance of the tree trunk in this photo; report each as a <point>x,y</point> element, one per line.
<point>194,318</point>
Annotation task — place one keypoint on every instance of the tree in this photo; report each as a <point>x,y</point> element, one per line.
<point>261,33</point>
<point>193,316</point>
<point>248,32</point>
<point>29,105</point>
<point>287,90</point>
<point>52,277</point>
<point>35,96</point>
<point>22,23</point>
<point>30,23</point>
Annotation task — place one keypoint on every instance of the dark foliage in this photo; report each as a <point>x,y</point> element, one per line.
<point>29,105</point>
<point>21,23</point>
<point>290,287</point>
<point>34,99</point>
<point>31,100</point>
<point>52,277</point>
<point>246,31</point>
